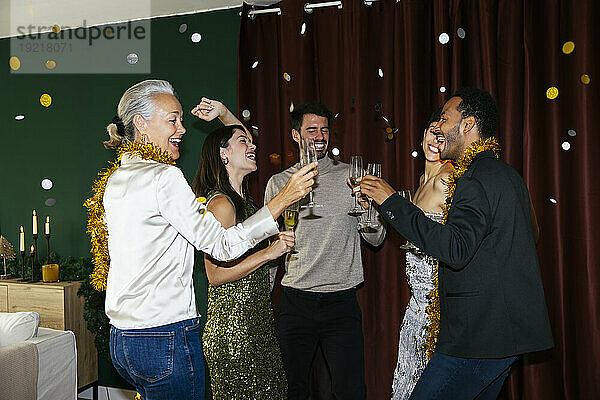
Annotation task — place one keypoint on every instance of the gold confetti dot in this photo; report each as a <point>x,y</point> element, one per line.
<point>46,100</point>
<point>388,130</point>
<point>287,76</point>
<point>390,136</point>
<point>14,63</point>
<point>55,28</point>
<point>568,47</point>
<point>585,79</point>
<point>552,92</point>
<point>50,64</point>
<point>109,31</point>
<point>274,158</point>
<point>201,199</point>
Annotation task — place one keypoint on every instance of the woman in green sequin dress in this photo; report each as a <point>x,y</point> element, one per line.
<point>239,339</point>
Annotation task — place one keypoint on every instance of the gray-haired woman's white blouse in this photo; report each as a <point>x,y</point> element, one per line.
<point>154,223</point>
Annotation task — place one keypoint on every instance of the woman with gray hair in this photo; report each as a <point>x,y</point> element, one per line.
<point>145,221</point>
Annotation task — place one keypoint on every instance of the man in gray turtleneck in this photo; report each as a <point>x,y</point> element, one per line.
<point>318,305</point>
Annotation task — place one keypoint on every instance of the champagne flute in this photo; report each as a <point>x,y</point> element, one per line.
<point>290,219</point>
<point>355,171</point>
<point>375,170</point>
<point>408,196</point>
<point>308,155</point>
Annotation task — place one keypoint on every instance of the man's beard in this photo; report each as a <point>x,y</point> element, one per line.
<point>451,150</point>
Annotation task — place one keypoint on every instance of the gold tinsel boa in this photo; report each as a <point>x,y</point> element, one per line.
<point>461,166</point>
<point>96,227</point>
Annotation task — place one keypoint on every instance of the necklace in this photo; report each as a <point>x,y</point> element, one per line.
<point>96,226</point>
<point>433,308</point>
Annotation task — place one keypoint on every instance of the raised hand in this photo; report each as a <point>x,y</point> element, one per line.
<point>376,188</point>
<point>298,186</point>
<point>208,109</point>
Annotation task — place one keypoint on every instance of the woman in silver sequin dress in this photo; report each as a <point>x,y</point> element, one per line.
<point>420,270</point>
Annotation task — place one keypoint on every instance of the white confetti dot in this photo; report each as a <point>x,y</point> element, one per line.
<point>335,151</point>
<point>132,58</point>
<point>255,64</point>
<point>553,201</point>
<point>292,106</point>
<point>246,115</point>
<point>303,29</point>
<point>571,132</point>
<point>444,38</point>
<point>442,89</point>
<point>255,130</point>
<point>565,145</point>
<point>50,202</point>
<point>19,117</point>
<point>255,127</point>
<point>182,28</point>
<point>47,184</point>
<point>196,37</point>
<point>380,72</point>
<point>336,115</point>
<point>461,33</point>
<point>414,154</point>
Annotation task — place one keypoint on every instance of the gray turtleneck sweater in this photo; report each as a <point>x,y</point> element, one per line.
<point>329,256</point>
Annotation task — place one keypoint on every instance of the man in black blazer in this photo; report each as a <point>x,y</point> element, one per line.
<point>492,305</point>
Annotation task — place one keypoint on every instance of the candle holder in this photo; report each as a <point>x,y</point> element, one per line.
<point>33,274</point>
<point>47,248</point>
<point>35,236</point>
<point>22,267</point>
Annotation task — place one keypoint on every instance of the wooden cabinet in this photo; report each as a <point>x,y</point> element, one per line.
<point>59,308</point>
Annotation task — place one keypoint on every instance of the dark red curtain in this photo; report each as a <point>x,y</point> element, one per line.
<point>386,60</point>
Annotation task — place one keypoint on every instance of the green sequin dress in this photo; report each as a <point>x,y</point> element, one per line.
<point>239,339</point>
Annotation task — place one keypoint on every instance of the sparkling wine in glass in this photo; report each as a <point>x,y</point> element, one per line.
<point>408,196</point>
<point>375,170</point>
<point>308,155</point>
<point>355,171</point>
<point>290,218</point>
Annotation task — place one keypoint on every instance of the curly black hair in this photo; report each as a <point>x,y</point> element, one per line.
<point>482,106</point>
<point>311,107</point>
<point>435,117</point>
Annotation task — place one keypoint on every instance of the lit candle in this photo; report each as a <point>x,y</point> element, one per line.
<point>47,225</point>
<point>34,223</point>
<point>21,240</point>
<point>32,249</point>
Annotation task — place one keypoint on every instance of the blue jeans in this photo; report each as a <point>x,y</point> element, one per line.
<point>163,362</point>
<point>447,377</point>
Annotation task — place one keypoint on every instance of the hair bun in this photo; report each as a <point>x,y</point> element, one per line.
<point>115,138</point>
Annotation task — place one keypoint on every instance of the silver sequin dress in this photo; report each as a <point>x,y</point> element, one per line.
<point>412,359</point>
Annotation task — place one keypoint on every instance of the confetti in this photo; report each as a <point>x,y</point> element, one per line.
<point>461,33</point>
<point>50,64</point>
<point>182,28</point>
<point>571,132</point>
<point>303,28</point>
<point>132,58</point>
<point>255,64</point>
<point>47,184</point>
<point>388,130</point>
<point>380,72</point>
<point>552,92</point>
<point>287,76</point>
<point>14,63</point>
<point>568,47</point>
<point>336,115</point>
<point>50,202</point>
<point>442,89</point>
<point>414,154</point>
<point>585,79</point>
<point>553,201</point>
<point>246,115</point>
<point>196,37</point>
<point>291,106</point>
<point>19,117</point>
<point>45,100</point>
<point>274,158</point>
<point>444,38</point>
<point>335,151</point>
<point>565,146</point>
<point>55,28</point>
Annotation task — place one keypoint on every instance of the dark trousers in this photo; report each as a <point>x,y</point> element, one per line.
<point>447,377</point>
<point>332,320</point>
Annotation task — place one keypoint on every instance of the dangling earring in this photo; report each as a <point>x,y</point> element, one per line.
<point>225,161</point>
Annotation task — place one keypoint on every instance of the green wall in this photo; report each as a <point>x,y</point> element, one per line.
<point>64,142</point>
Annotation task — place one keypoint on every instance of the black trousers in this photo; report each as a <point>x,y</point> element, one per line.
<point>333,320</point>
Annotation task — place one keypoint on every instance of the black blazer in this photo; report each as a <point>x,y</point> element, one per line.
<point>492,301</point>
